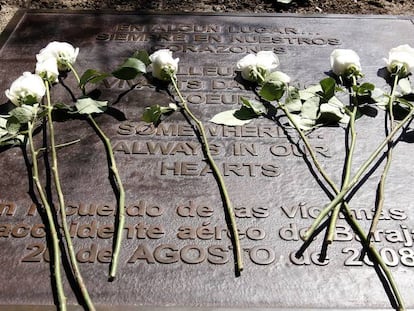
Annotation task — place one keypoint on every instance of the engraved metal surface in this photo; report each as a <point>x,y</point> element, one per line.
<point>176,252</point>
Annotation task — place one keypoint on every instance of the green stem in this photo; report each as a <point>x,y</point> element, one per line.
<point>68,143</point>
<point>62,145</point>
<point>216,170</point>
<point>76,75</point>
<point>371,248</point>
<point>381,186</point>
<point>260,76</point>
<point>62,207</point>
<point>121,199</point>
<point>377,257</point>
<point>335,212</point>
<point>340,196</point>
<point>51,223</point>
<point>348,164</point>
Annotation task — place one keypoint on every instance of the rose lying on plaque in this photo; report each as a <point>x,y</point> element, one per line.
<point>30,93</point>
<point>321,105</point>
<point>164,68</point>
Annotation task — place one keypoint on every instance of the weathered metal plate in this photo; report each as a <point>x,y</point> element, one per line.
<point>170,189</point>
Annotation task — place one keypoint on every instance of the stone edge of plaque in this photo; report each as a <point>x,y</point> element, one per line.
<point>18,16</point>
<point>11,26</point>
<point>156,308</point>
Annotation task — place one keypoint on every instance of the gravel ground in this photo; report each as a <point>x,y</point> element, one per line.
<point>390,7</point>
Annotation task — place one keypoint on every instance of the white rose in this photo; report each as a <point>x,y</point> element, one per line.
<point>163,64</point>
<point>401,60</point>
<point>280,76</point>
<point>48,70</point>
<point>267,60</point>
<point>27,89</point>
<point>247,65</point>
<point>63,52</point>
<point>255,67</point>
<point>345,62</point>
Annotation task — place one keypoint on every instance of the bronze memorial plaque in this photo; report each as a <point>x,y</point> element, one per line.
<point>177,251</point>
